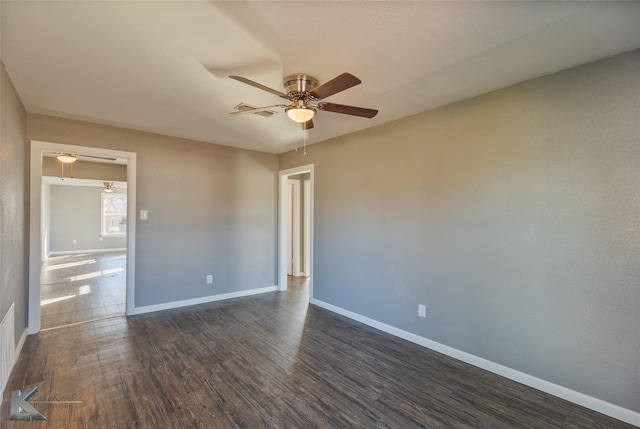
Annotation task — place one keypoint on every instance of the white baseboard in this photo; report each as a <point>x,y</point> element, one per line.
<point>201,300</point>
<point>77,252</point>
<point>18,350</point>
<point>586,401</point>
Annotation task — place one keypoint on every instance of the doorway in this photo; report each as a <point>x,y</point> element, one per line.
<point>37,225</point>
<point>293,226</point>
<point>295,253</point>
<point>83,276</point>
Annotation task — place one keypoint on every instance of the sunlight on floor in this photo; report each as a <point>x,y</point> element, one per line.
<point>95,274</point>
<point>70,264</point>
<point>53,300</point>
<point>292,332</point>
<point>78,288</point>
<point>114,258</point>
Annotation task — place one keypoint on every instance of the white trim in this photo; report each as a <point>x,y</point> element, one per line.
<point>295,224</point>
<point>587,401</point>
<point>201,300</point>
<point>282,224</point>
<point>16,355</point>
<point>77,252</point>
<point>23,338</point>
<point>35,214</point>
<point>307,227</point>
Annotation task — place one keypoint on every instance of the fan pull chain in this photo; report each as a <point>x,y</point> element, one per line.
<point>62,170</point>
<point>305,142</point>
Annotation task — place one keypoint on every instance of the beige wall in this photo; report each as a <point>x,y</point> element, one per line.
<point>211,210</point>
<point>513,216</point>
<point>13,204</point>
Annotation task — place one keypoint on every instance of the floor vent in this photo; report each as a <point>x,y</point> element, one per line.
<point>7,346</point>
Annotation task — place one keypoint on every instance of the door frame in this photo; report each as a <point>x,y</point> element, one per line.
<point>283,182</point>
<point>295,228</point>
<point>306,226</point>
<point>38,148</point>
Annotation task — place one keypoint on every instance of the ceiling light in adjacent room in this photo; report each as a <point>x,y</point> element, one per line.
<point>67,158</point>
<point>108,186</point>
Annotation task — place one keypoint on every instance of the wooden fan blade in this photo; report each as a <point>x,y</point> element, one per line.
<point>348,110</point>
<point>307,125</point>
<point>256,109</point>
<point>337,84</point>
<point>259,86</point>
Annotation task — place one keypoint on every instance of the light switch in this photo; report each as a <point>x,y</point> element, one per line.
<point>144,215</point>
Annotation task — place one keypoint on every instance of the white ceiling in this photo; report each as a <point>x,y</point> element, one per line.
<point>163,66</point>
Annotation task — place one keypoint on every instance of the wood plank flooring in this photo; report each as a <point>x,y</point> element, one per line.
<point>267,361</point>
<point>82,287</point>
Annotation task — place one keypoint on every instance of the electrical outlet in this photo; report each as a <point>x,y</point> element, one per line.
<point>209,278</point>
<point>422,310</point>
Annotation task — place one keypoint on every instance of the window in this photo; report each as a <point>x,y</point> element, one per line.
<point>114,214</point>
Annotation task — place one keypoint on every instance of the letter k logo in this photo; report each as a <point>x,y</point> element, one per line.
<point>21,409</point>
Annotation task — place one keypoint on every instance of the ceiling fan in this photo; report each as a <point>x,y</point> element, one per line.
<point>305,96</point>
<point>68,158</point>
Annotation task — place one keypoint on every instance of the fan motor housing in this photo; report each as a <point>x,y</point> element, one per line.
<point>299,83</point>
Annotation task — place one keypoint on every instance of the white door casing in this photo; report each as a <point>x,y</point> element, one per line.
<point>38,148</point>
<point>306,230</point>
<point>282,224</point>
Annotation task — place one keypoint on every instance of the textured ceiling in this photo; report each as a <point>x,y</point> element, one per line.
<point>163,66</point>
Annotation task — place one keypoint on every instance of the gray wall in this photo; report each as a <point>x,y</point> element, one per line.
<point>75,214</point>
<point>13,204</point>
<point>513,216</point>
<point>212,210</point>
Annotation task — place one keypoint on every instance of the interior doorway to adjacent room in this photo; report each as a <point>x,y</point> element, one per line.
<point>295,249</point>
<point>84,279</point>
<point>83,276</point>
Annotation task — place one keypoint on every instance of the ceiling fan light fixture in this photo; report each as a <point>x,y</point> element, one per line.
<point>301,113</point>
<point>67,158</point>
<point>108,186</point>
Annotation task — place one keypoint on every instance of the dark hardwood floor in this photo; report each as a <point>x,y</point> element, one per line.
<point>267,361</point>
<point>82,287</point>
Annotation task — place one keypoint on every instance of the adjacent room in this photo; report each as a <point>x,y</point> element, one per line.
<point>320,214</point>
<point>83,238</point>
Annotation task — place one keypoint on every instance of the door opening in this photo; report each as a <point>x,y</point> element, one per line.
<point>84,226</point>
<point>37,225</point>
<point>295,225</point>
